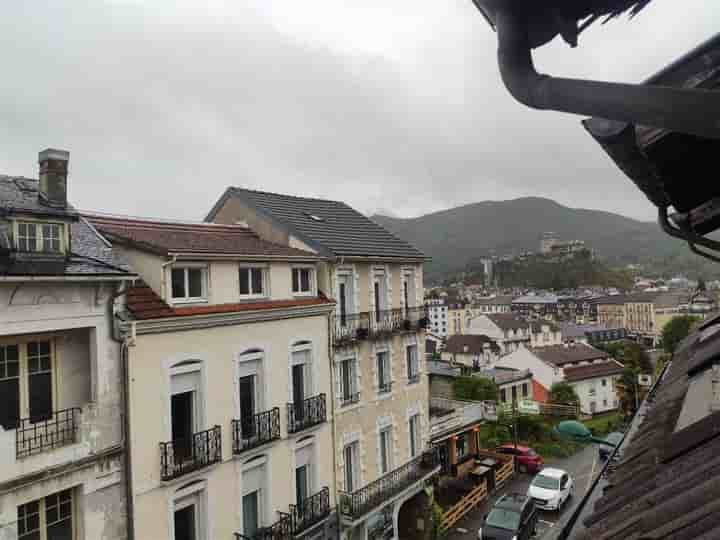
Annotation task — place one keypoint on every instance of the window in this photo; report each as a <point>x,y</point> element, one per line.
<point>188,284</point>
<point>412,364</point>
<point>44,237</point>
<point>525,390</point>
<point>348,393</point>
<point>603,382</point>
<point>414,429</point>
<point>251,513</point>
<point>252,281</point>
<point>49,518</point>
<point>350,455</point>
<point>503,395</point>
<point>32,398</point>
<point>462,448</point>
<point>302,280</point>
<point>383,372</point>
<point>385,450</point>
<point>514,393</point>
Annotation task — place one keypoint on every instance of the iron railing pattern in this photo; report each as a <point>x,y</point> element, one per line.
<point>182,456</point>
<point>309,412</point>
<point>385,387</point>
<point>34,435</point>
<point>256,430</point>
<point>350,399</point>
<point>360,502</point>
<point>299,519</point>
<point>378,324</point>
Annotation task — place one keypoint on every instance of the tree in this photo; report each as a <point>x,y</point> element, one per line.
<point>677,329</point>
<point>635,356</point>
<point>475,389</point>
<point>562,393</point>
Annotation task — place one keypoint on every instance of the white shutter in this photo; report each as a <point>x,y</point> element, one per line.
<point>304,455</point>
<point>253,479</point>
<point>185,382</point>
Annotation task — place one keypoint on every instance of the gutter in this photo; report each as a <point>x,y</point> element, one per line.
<point>686,110</point>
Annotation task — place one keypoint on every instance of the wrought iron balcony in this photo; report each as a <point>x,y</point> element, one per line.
<point>350,328</point>
<point>36,435</point>
<point>360,502</point>
<point>182,456</point>
<point>385,322</point>
<point>307,413</point>
<point>415,318</point>
<point>301,517</point>
<point>256,430</point>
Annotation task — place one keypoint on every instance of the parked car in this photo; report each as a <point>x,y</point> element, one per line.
<point>551,488</point>
<point>528,459</point>
<point>514,517</point>
<point>612,438</point>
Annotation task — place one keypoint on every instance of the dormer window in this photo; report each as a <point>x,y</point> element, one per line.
<point>253,281</point>
<point>40,237</point>
<point>302,281</point>
<point>188,284</point>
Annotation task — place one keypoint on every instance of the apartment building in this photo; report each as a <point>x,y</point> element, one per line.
<point>492,304</point>
<point>438,319</point>
<point>229,386</point>
<point>459,315</point>
<point>380,390</point>
<point>61,402</point>
<point>511,332</point>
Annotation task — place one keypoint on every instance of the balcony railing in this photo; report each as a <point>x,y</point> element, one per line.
<point>256,430</point>
<point>301,517</point>
<point>34,435</point>
<point>378,324</point>
<point>307,413</point>
<point>310,511</point>
<point>360,502</point>
<point>182,456</point>
<point>351,327</point>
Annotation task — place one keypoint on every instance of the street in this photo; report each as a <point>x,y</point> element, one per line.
<point>582,468</point>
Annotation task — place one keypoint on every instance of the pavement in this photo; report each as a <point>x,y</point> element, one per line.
<point>583,466</point>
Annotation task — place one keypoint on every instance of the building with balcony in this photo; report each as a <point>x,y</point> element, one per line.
<point>229,387</point>
<point>438,320</point>
<point>511,331</point>
<point>380,389</point>
<point>61,435</point>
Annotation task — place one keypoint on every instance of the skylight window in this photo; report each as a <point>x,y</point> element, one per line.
<point>314,217</point>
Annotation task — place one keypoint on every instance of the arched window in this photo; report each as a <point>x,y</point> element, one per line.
<point>250,389</point>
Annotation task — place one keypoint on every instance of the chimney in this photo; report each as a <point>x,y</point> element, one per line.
<point>53,177</point>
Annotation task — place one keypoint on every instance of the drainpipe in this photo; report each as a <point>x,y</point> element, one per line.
<point>127,460</point>
<point>332,412</point>
<point>687,110</point>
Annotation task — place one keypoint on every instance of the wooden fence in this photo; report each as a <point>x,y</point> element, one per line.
<point>460,509</point>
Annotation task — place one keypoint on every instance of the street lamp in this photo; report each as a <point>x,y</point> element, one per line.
<point>578,432</point>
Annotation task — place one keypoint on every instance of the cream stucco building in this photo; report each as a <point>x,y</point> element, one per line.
<point>380,388</point>
<point>61,434</point>
<point>229,385</point>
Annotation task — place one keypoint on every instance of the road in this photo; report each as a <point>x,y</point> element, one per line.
<point>582,467</point>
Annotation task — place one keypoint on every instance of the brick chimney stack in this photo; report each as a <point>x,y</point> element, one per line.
<point>53,177</point>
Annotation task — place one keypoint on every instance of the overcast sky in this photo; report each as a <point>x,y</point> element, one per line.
<point>391,106</point>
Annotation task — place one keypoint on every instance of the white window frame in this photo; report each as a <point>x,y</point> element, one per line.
<point>355,384</point>
<point>415,360</point>
<point>354,445</point>
<point>39,238</point>
<point>388,371</point>
<point>414,438</point>
<point>312,281</point>
<point>193,495</point>
<point>265,273</point>
<point>264,491</point>
<point>24,369</point>
<point>386,432</point>
<point>204,281</point>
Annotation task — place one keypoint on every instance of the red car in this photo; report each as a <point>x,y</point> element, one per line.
<point>528,459</point>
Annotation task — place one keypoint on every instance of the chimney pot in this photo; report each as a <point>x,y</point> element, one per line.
<point>53,177</point>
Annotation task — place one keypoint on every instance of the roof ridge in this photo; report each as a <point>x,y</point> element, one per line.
<point>152,221</point>
<point>285,195</point>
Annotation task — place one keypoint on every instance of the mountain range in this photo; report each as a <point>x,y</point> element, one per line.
<point>456,237</point>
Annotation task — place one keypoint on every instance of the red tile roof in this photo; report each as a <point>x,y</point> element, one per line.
<point>203,238</point>
<point>591,371</point>
<point>145,304</point>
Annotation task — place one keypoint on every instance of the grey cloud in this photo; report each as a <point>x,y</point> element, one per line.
<point>163,110</point>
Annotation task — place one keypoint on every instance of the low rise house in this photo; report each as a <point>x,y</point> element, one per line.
<point>229,383</point>
<point>492,304</point>
<point>536,306</point>
<point>590,334</point>
<point>555,364</point>
<point>459,314</point>
<point>510,331</point>
<point>62,456</point>
<point>471,351</point>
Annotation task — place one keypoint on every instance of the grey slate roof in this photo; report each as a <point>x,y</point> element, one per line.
<point>666,485</point>
<point>89,255</point>
<point>341,230</point>
<point>20,194</point>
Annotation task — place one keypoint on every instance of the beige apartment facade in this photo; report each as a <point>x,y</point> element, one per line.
<point>229,384</point>
<point>380,388</point>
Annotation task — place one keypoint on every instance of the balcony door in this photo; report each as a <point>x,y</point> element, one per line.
<point>345,299</point>
<point>248,386</point>
<point>304,487</point>
<point>250,379</point>
<point>301,379</point>
<point>184,413</point>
